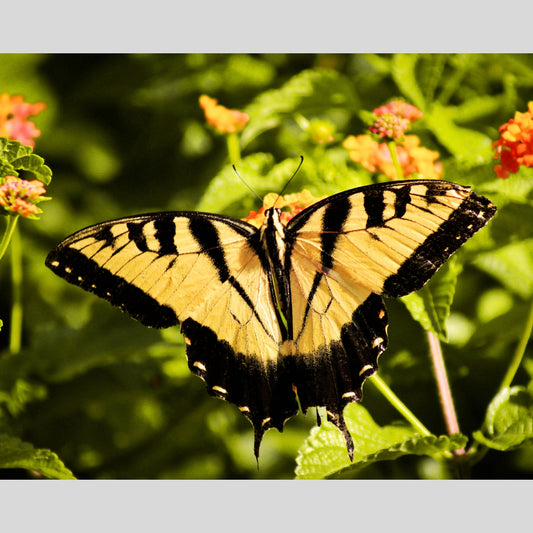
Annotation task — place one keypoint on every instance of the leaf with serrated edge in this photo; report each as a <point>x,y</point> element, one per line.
<point>15,453</point>
<point>431,305</point>
<point>509,420</point>
<point>324,453</point>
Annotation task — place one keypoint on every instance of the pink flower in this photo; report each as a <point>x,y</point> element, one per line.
<point>401,109</point>
<point>14,123</point>
<point>19,196</point>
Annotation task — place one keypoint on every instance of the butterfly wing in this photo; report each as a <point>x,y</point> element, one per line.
<point>346,251</point>
<point>205,272</point>
<point>210,274</point>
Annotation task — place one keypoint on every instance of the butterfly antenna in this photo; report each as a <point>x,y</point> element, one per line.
<point>291,178</point>
<point>248,186</point>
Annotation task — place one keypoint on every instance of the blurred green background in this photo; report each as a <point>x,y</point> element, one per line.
<point>124,135</point>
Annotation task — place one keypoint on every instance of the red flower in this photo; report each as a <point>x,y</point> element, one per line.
<point>223,119</point>
<point>514,148</point>
<point>14,123</point>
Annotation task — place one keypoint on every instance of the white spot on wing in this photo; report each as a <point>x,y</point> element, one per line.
<point>365,369</point>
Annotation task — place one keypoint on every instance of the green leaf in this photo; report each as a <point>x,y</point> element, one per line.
<point>253,170</point>
<point>15,156</point>
<point>509,420</point>
<point>476,108</point>
<point>469,147</point>
<point>15,453</point>
<point>511,265</point>
<point>308,92</point>
<point>430,306</point>
<point>324,452</point>
<point>518,190</point>
<point>403,69</point>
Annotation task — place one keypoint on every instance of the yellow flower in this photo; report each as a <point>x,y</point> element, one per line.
<point>221,118</point>
<point>321,131</point>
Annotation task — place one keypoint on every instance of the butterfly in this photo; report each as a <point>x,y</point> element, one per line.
<point>285,315</point>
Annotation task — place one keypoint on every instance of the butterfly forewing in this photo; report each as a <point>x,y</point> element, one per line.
<point>394,236</point>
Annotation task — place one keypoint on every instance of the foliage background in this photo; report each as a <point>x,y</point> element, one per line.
<point>124,134</point>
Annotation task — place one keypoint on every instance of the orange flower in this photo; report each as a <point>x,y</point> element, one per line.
<point>414,159</point>
<point>364,150</point>
<point>223,119</point>
<point>295,203</point>
<point>14,123</point>
<point>514,148</point>
<point>19,196</point>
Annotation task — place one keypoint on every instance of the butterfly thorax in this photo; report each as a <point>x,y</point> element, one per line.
<point>273,242</point>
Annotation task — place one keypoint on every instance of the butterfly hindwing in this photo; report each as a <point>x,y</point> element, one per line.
<point>347,250</point>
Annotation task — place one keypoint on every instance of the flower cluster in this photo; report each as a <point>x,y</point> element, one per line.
<point>389,126</point>
<point>514,148</point>
<point>392,119</point>
<point>376,157</point>
<point>401,109</point>
<point>14,123</point>
<point>390,123</point>
<point>221,118</point>
<point>18,196</point>
<point>294,202</point>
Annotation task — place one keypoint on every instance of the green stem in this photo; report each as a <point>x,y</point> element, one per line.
<point>234,150</point>
<point>395,160</point>
<point>6,238</point>
<point>399,405</point>
<point>519,352</point>
<point>16,299</point>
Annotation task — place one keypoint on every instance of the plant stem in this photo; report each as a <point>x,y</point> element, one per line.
<point>234,149</point>
<point>6,238</point>
<point>446,400</point>
<point>399,405</point>
<point>395,160</point>
<point>16,297</point>
<point>519,352</point>
<point>443,384</point>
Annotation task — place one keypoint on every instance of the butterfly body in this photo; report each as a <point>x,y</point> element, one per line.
<point>282,310</point>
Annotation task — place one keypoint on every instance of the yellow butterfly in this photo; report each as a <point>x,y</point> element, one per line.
<point>282,310</point>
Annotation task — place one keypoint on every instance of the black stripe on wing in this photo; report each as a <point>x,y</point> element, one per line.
<point>472,215</point>
<point>79,270</point>
<point>335,215</point>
